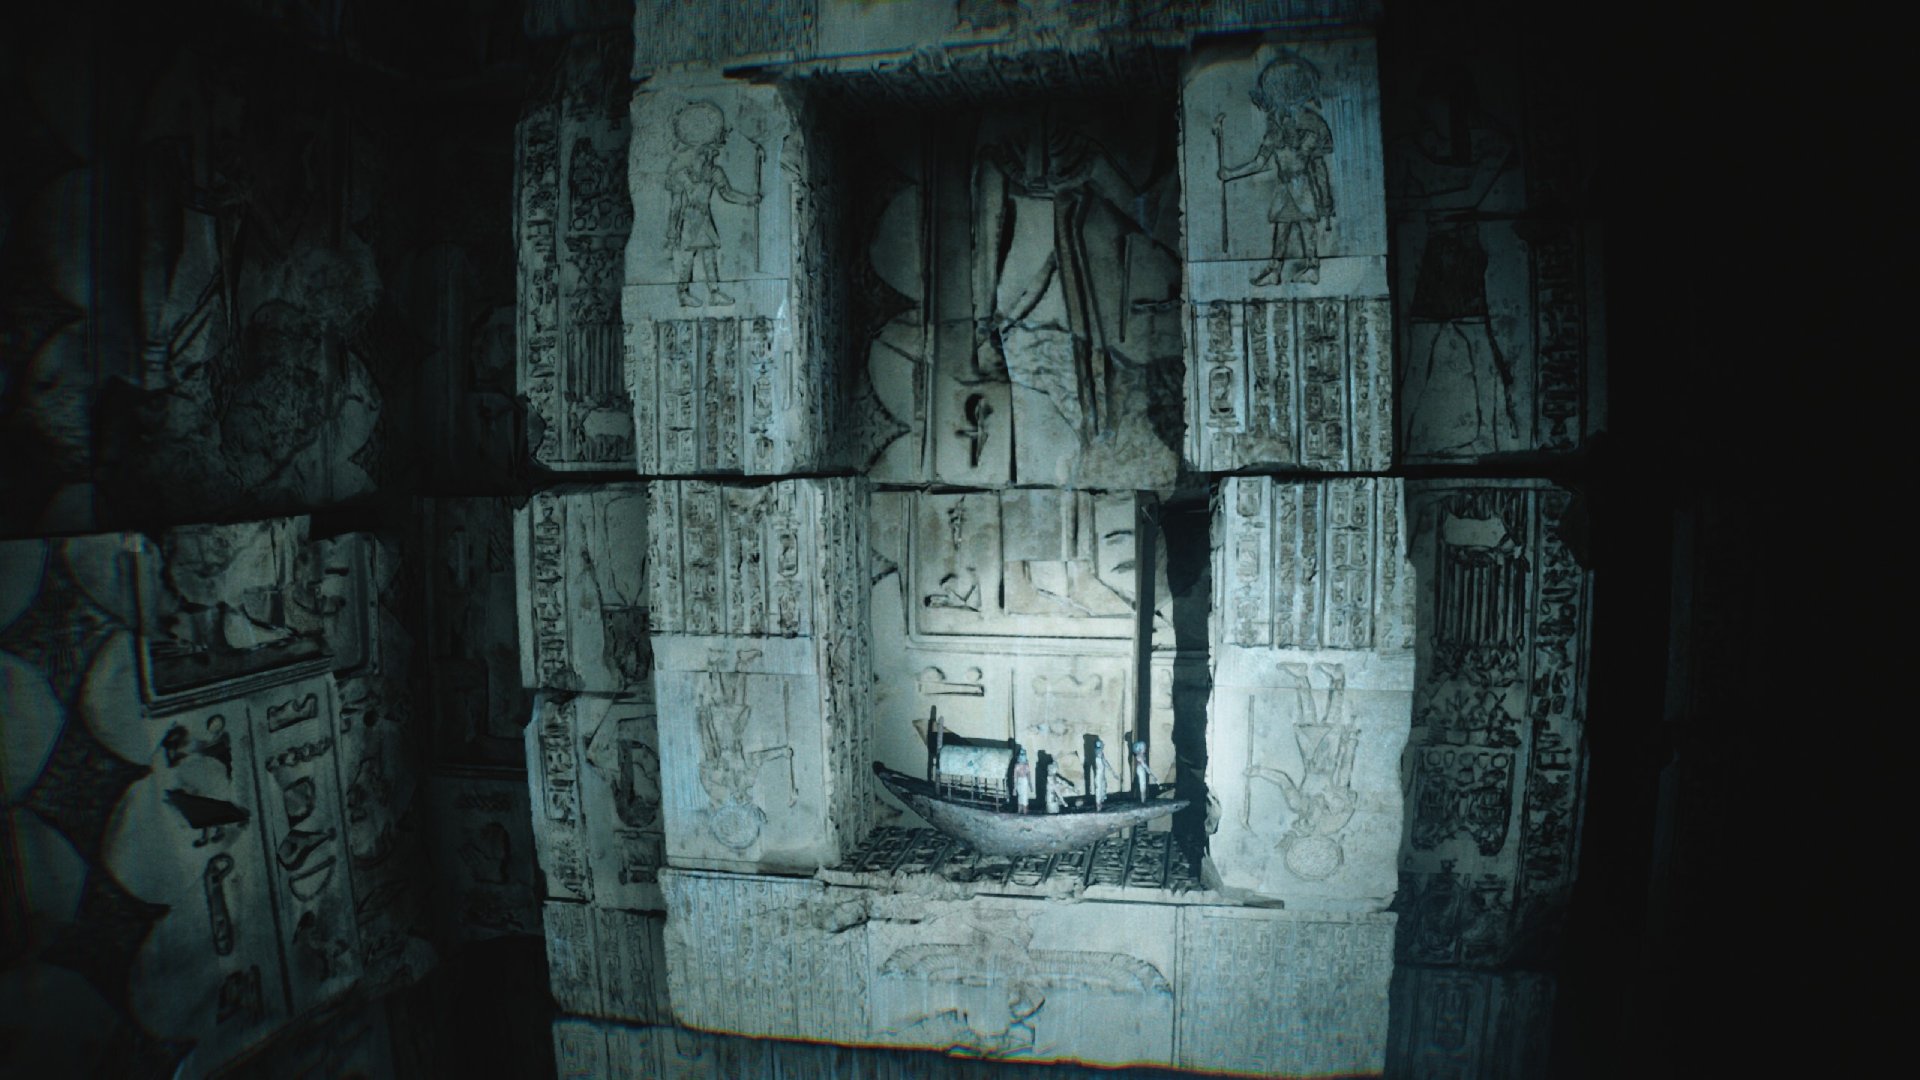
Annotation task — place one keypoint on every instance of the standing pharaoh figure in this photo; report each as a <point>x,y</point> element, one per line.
<point>1022,782</point>
<point>1043,311</point>
<point>693,179</point>
<point>1296,145</point>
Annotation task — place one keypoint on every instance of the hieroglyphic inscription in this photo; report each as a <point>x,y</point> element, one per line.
<point>1298,995</point>
<point>1453,1023</point>
<point>580,1049</point>
<point>787,973</point>
<point>1291,382</point>
<point>1556,708</point>
<point>304,824</point>
<point>573,965</point>
<point>581,563</point>
<point>1311,565</point>
<point>1560,312</point>
<point>729,276</point>
<point>554,778</point>
<point>734,560</point>
<point>572,220</point>
<point>713,395</point>
<point>1499,756</point>
<point>633,965</point>
<point>845,657</point>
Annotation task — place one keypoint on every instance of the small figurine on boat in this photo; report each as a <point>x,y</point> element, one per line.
<point>983,792</point>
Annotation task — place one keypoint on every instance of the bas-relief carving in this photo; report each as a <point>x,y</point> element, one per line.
<point>1055,357</point>
<point>1303,751</point>
<point>1501,336</point>
<point>606,962</point>
<point>241,830</point>
<point>1284,993</point>
<point>734,560</point>
<point>1496,290</point>
<point>1288,177</point>
<point>760,595</point>
<point>1013,614</point>
<point>1470,1023</point>
<point>1496,762</point>
<point>1312,687</point>
<point>485,856</point>
<point>1024,979</point>
<point>572,225</point>
<point>595,776</point>
<point>726,279</point>
<point>207,837</point>
<point>581,563</point>
<point>793,953</point>
<point>1316,565</point>
<point>742,749</point>
<point>1291,360</point>
<point>472,633</point>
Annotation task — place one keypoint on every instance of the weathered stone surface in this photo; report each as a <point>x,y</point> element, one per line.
<point>594,772</point>
<point>606,962</point>
<point>571,223</point>
<point>1036,979</point>
<point>731,297</point>
<point>1497,284</point>
<point>761,646</point>
<point>239,828</point>
<point>1449,1022</point>
<point>581,563</point>
<point>484,856</point>
<point>1016,294</point>
<point>472,634</point>
<point>801,30</point>
<point>209,799</point>
<point>1312,689</point>
<point>1496,766</point>
<point>1286,243</point>
<point>1014,615</point>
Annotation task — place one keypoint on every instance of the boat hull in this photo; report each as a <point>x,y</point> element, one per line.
<point>996,832</point>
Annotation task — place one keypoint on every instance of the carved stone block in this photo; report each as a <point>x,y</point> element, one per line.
<point>1016,282</point>
<point>1045,980</point>
<point>744,753</point>
<point>1312,688</point>
<point>581,559</point>
<point>1502,336</point>
<point>1013,615</point>
<point>1061,981</point>
<point>580,1050</point>
<point>1497,760</point>
<point>189,835</point>
<point>594,772</point>
<point>1284,993</point>
<point>239,829</point>
<point>761,604</point>
<point>571,221</point>
<point>1304,749</point>
<point>472,632</point>
<point>1449,1022</point>
<point>485,852</point>
<point>1290,360</point>
<point>1497,285</point>
<point>729,307</point>
<point>606,962</point>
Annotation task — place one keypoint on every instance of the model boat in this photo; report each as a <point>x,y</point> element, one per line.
<point>991,827</point>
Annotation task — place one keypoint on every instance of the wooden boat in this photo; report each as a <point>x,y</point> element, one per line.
<point>995,830</point>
